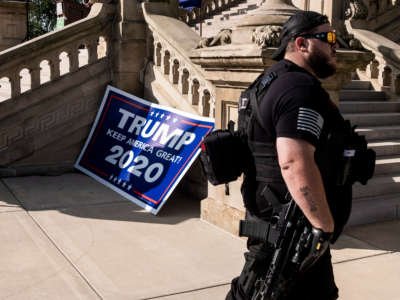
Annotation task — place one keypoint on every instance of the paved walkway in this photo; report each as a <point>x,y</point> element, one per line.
<point>68,237</point>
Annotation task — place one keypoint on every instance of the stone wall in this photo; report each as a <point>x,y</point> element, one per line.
<point>12,23</point>
<point>51,88</point>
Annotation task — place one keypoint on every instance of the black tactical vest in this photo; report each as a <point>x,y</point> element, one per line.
<point>263,188</point>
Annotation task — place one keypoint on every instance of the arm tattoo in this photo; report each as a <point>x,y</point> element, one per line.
<point>305,191</point>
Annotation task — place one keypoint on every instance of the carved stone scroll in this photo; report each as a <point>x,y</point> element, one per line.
<point>222,38</point>
<point>347,40</point>
<point>355,9</point>
<point>267,36</point>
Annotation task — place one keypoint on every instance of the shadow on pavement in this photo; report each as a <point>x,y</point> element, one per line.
<point>378,236</point>
<point>177,209</point>
<point>81,196</point>
<point>78,195</point>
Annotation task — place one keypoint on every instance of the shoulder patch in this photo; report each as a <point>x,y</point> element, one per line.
<point>309,120</point>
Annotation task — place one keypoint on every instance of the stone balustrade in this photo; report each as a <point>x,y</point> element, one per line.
<point>381,16</point>
<point>44,59</point>
<point>384,70</point>
<point>208,9</point>
<point>172,43</point>
<point>377,8</point>
<point>369,10</point>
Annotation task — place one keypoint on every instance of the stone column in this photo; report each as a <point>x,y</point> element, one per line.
<point>12,23</point>
<point>129,47</point>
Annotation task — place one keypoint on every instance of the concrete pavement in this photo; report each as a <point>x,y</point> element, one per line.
<point>68,237</point>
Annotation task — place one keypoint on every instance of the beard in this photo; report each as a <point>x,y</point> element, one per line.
<point>319,63</point>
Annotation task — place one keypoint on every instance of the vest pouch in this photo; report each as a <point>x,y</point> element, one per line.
<point>363,166</point>
<point>244,112</point>
<point>222,156</point>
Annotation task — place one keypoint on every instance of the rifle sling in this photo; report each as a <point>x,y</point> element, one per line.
<point>260,230</point>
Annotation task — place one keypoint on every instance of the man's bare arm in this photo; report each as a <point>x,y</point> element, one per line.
<point>303,179</point>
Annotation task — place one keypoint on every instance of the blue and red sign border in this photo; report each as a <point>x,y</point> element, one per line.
<point>81,164</point>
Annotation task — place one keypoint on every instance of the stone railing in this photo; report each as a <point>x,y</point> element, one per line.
<point>172,43</point>
<point>369,10</point>
<point>381,16</point>
<point>208,9</point>
<point>44,59</point>
<point>384,70</point>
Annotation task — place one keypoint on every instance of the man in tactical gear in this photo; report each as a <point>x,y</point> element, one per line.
<point>293,154</point>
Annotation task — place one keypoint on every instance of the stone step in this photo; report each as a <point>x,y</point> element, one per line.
<point>361,95</point>
<point>373,119</point>
<point>242,7</point>
<point>387,165</point>
<point>369,106</point>
<point>375,209</point>
<point>379,133</point>
<point>225,20</point>
<point>233,14</point>
<point>358,85</point>
<point>378,185</point>
<point>386,147</point>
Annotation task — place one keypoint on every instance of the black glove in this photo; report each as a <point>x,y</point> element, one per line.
<point>318,243</point>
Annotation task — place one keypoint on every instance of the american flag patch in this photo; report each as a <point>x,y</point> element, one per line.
<point>309,120</point>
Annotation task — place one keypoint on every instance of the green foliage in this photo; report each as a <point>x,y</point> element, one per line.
<point>42,17</point>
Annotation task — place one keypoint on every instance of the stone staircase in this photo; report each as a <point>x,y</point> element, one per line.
<point>226,19</point>
<point>379,120</point>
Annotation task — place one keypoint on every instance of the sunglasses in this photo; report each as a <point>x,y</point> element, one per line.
<point>327,37</point>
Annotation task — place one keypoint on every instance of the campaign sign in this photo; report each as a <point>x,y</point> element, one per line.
<point>140,149</point>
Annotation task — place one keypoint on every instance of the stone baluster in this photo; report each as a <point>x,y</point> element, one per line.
<point>396,83</point>
<point>204,106</point>
<point>35,75</point>
<point>157,53</point>
<point>194,92</point>
<point>387,76</point>
<point>54,63</point>
<point>174,73</point>
<point>165,62</point>
<point>381,74</point>
<point>15,81</point>
<point>183,83</point>
<point>372,69</point>
<point>73,59</point>
<point>92,50</point>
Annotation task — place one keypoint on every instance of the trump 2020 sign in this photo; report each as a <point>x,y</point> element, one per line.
<point>140,149</point>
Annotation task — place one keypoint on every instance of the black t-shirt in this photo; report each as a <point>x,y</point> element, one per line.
<point>297,106</point>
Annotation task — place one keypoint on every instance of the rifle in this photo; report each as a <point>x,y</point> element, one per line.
<point>297,246</point>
